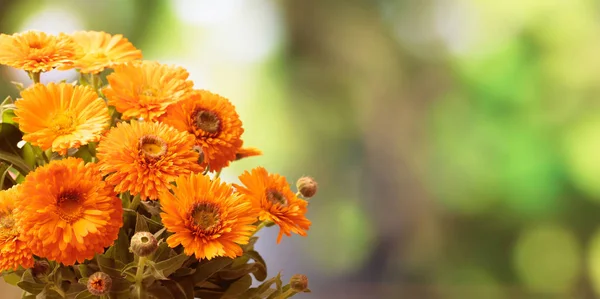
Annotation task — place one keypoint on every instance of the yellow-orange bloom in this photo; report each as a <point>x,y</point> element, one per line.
<point>61,116</point>
<point>103,50</point>
<point>207,218</point>
<point>271,193</point>
<point>36,51</point>
<point>145,89</point>
<point>214,122</point>
<point>145,157</point>
<point>67,212</point>
<point>13,250</point>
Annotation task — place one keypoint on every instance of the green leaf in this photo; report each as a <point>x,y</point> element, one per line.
<point>120,285</point>
<point>183,288</point>
<point>83,270</point>
<point>7,112</point>
<point>236,273</point>
<point>161,292</point>
<point>29,155</point>
<point>10,135</point>
<point>29,284</point>
<point>157,274</point>
<point>85,295</point>
<point>171,265</point>
<point>12,278</point>
<point>4,183</point>
<point>84,153</point>
<point>108,266</point>
<point>250,245</point>
<point>267,284</point>
<point>207,269</point>
<point>49,292</point>
<point>159,233</point>
<point>121,251</point>
<point>18,85</point>
<point>68,274</point>
<point>261,266</point>
<point>208,294</point>
<point>75,289</point>
<point>163,252</point>
<point>238,287</point>
<point>16,161</point>
<point>140,224</point>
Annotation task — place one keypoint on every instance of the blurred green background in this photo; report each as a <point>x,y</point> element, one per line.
<point>456,142</point>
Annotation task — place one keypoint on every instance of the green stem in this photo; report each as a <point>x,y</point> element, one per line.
<point>218,174</point>
<point>135,202</point>
<point>289,293</point>
<point>35,76</point>
<point>259,227</point>
<point>139,275</point>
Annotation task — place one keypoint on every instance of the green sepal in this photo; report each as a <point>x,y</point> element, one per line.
<point>29,284</point>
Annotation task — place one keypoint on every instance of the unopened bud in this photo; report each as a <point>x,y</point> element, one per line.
<point>99,284</point>
<point>143,244</point>
<point>40,268</point>
<point>307,186</point>
<point>299,283</point>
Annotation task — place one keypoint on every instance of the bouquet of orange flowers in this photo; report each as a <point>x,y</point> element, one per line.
<point>110,185</point>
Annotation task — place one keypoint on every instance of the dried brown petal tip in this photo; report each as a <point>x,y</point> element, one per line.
<point>143,244</point>
<point>299,283</point>
<point>99,284</point>
<point>307,186</point>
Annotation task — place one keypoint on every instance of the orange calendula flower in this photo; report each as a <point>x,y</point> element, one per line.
<point>214,122</point>
<point>246,152</point>
<point>207,218</point>
<point>272,195</point>
<point>145,157</point>
<point>67,212</point>
<point>145,89</point>
<point>103,50</point>
<point>36,51</point>
<point>13,250</point>
<point>61,116</point>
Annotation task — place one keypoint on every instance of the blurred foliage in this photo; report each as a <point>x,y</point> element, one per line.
<point>455,141</point>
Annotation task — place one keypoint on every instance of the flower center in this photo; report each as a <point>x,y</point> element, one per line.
<point>152,147</point>
<point>275,197</point>
<point>207,121</point>
<point>150,92</point>
<point>69,206</point>
<point>206,215</point>
<point>98,55</point>
<point>98,285</point>
<point>63,123</point>
<point>35,45</point>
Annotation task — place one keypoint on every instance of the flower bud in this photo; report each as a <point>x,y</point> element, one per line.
<point>299,283</point>
<point>40,268</point>
<point>307,186</point>
<point>143,244</point>
<point>99,284</point>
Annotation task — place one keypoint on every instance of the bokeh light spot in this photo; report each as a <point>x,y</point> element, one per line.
<point>547,259</point>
